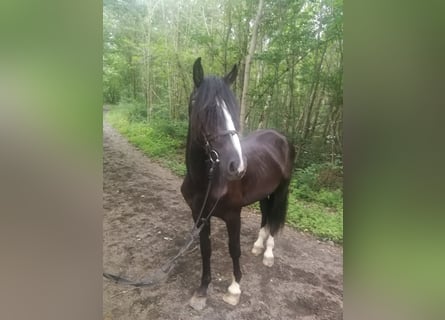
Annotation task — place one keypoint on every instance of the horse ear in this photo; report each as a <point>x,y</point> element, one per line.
<point>231,76</point>
<point>198,72</point>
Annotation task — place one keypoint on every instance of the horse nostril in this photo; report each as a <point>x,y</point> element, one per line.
<point>232,167</point>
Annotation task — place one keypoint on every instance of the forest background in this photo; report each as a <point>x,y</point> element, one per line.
<point>290,57</point>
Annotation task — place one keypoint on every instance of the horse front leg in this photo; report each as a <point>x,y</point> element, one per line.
<point>233,228</point>
<point>198,301</point>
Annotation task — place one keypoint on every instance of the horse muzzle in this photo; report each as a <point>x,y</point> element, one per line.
<point>236,170</point>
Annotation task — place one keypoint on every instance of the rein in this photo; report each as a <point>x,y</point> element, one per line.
<point>168,266</point>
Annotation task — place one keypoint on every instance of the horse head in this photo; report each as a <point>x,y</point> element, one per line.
<point>214,121</point>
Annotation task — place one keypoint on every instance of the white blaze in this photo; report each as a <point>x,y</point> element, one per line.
<point>234,137</point>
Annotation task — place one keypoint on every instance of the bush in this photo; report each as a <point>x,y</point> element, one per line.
<point>172,129</point>
<point>319,176</point>
<point>307,178</point>
<point>137,113</point>
<point>333,199</point>
<point>321,183</point>
<point>330,177</point>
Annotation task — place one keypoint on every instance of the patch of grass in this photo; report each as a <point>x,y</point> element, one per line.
<point>160,141</point>
<point>316,201</point>
<point>330,198</point>
<point>324,222</point>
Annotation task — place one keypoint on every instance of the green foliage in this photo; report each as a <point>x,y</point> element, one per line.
<point>318,176</point>
<point>333,199</point>
<point>316,201</point>
<point>176,130</point>
<point>159,140</point>
<point>323,222</point>
<point>137,113</point>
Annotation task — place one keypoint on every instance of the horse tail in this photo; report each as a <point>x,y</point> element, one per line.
<point>278,201</point>
<point>276,216</point>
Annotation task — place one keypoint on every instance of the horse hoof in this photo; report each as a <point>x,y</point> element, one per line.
<point>257,250</point>
<point>268,261</point>
<point>198,302</point>
<point>231,298</point>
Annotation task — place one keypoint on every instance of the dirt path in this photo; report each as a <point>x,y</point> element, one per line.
<point>146,221</point>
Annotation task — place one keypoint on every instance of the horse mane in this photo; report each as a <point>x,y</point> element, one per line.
<point>205,115</point>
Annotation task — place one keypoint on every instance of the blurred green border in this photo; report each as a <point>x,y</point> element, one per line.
<point>51,118</point>
<point>394,156</point>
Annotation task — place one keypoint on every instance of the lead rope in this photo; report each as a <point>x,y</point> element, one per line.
<point>168,266</point>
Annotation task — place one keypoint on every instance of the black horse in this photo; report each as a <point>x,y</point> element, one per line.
<point>255,168</point>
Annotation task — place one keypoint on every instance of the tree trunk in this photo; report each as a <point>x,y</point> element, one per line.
<point>314,91</point>
<point>227,36</point>
<point>291,106</point>
<point>317,111</point>
<point>249,56</point>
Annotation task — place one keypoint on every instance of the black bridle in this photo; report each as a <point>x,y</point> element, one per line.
<point>212,154</point>
<point>211,137</point>
<point>167,267</point>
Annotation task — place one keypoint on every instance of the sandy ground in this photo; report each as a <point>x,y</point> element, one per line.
<point>146,221</point>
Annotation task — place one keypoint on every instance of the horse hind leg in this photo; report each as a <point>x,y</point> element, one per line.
<point>266,206</point>
<point>275,219</point>
<point>268,257</point>
<point>258,246</point>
